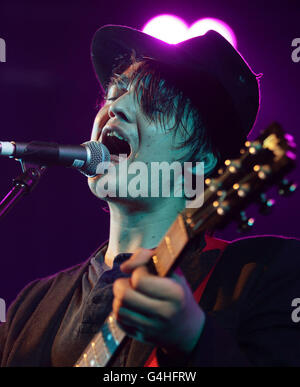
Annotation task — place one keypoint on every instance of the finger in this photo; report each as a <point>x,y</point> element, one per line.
<point>132,332</point>
<point>156,287</point>
<point>116,305</point>
<point>138,321</point>
<point>121,286</point>
<point>140,303</point>
<point>151,285</point>
<point>131,298</point>
<point>139,258</point>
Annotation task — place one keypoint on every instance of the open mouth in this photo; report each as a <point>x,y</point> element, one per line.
<point>116,143</point>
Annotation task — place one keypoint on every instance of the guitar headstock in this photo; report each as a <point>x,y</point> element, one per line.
<point>240,182</point>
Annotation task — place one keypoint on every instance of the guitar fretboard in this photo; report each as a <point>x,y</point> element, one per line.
<point>103,345</point>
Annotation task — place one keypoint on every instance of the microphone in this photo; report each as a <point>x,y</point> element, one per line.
<point>85,157</point>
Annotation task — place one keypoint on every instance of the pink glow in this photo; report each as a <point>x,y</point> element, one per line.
<point>291,155</point>
<point>201,26</point>
<point>172,29</point>
<point>169,28</point>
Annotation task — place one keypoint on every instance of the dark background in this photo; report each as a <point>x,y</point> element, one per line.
<point>48,92</point>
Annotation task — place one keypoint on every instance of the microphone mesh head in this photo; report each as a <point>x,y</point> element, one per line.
<point>98,154</point>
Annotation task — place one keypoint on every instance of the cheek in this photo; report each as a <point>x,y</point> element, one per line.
<point>155,145</point>
<point>157,148</point>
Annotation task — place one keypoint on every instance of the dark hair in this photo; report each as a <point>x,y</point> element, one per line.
<point>161,99</point>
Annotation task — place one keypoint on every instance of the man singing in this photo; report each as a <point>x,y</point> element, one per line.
<point>191,102</point>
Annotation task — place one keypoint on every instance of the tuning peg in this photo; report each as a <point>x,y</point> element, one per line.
<point>245,223</point>
<point>212,184</point>
<point>233,165</point>
<point>253,146</point>
<point>286,187</point>
<point>220,171</point>
<point>265,205</point>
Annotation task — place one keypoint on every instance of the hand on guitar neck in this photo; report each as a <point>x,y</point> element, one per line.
<point>160,311</point>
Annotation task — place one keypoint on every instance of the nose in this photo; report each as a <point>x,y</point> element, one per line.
<point>121,108</point>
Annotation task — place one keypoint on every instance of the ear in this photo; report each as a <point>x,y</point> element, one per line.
<point>210,162</point>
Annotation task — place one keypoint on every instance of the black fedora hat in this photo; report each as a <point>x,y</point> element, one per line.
<point>206,68</point>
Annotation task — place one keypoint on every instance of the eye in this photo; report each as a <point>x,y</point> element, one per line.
<point>116,96</point>
<point>114,92</point>
<point>110,99</point>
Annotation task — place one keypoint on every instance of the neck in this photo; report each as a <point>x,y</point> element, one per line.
<point>144,227</point>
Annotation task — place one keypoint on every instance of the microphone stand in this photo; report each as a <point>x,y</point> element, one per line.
<point>22,185</point>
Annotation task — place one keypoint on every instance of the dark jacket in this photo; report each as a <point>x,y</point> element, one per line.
<point>248,305</point>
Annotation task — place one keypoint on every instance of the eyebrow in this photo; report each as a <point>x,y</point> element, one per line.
<point>118,80</point>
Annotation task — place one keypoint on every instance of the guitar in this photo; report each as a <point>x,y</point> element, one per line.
<point>240,182</point>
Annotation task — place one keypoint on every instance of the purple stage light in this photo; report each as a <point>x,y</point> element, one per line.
<point>169,28</point>
<point>172,29</point>
<point>201,26</point>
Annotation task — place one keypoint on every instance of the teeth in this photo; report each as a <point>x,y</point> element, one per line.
<point>114,133</point>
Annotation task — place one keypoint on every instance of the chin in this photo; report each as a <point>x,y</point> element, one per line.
<point>110,195</point>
